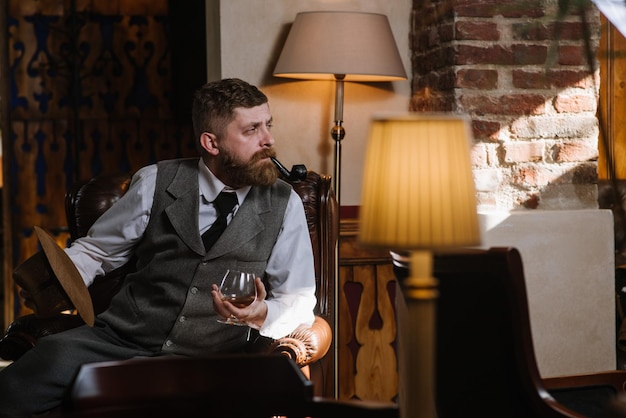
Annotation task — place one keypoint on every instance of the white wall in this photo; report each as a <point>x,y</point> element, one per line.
<point>252,34</point>
<point>569,270</point>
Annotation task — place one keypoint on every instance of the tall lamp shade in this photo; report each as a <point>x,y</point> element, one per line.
<point>418,195</point>
<point>340,46</point>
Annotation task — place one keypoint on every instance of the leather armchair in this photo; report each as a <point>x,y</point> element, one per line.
<point>87,201</point>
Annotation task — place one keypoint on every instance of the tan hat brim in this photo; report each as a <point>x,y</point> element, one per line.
<point>68,276</point>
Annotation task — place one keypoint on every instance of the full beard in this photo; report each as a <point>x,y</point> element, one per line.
<point>254,172</point>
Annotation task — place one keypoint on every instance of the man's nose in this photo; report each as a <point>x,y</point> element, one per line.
<point>268,138</point>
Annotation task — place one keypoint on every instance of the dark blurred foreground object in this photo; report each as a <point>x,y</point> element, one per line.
<point>483,315</point>
<point>217,386</point>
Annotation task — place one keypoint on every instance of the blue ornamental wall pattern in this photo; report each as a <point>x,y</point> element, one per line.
<point>89,93</point>
<point>16,101</point>
<point>116,75</point>
<point>101,63</point>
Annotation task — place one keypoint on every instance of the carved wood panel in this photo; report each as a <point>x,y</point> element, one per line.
<point>367,363</point>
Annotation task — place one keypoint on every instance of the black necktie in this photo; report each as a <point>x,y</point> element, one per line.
<point>225,202</point>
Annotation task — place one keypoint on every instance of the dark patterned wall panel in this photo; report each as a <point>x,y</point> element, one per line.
<point>91,90</point>
<point>38,161</point>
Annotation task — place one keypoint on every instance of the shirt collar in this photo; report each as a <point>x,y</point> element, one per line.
<point>210,186</point>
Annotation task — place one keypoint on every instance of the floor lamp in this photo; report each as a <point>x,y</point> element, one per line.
<point>418,196</point>
<point>340,46</point>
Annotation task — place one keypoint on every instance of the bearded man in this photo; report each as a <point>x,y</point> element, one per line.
<point>170,304</point>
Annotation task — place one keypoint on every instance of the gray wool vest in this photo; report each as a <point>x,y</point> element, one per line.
<point>166,304</point>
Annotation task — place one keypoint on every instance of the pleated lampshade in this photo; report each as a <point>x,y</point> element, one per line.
<point>418,190</point>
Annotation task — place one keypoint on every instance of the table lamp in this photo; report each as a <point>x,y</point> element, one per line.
<point>418,196</point>
<point>340,46</point>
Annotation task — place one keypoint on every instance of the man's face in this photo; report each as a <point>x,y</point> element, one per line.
<point>245,148</point>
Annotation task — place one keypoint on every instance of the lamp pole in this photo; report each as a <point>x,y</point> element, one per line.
<point>338,133</point>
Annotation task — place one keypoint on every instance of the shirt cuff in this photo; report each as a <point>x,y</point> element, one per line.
<point>280,322</point>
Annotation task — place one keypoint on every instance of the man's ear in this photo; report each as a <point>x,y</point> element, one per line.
<point>208,143</point>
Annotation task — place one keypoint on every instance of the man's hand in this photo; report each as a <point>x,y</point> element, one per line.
<point>254,314</point>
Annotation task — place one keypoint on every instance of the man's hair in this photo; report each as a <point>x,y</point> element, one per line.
<point>214,104</point>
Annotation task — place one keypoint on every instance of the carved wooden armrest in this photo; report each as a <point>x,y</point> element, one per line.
<point>306,344</point>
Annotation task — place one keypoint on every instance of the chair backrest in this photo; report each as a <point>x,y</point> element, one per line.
<point>88,200</point>
<point>320,206</point>
<point>483,315</point>
<point>486,363</point>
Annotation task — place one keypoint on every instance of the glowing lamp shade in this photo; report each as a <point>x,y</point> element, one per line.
<point>418,190</point>
<point>358,45</point>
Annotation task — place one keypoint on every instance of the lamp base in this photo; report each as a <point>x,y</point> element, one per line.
<point>416,308</point>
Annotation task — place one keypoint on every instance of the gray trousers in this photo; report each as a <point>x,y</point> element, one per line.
<point>40,379</point>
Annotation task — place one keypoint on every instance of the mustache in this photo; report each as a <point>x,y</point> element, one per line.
<point>267,153</point>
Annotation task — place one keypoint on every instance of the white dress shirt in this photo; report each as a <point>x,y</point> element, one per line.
<point>290,271</point>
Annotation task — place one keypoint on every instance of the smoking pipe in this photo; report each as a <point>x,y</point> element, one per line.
<point>298,171</point>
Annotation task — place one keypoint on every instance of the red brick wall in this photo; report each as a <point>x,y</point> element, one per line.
<point>519,70</point>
